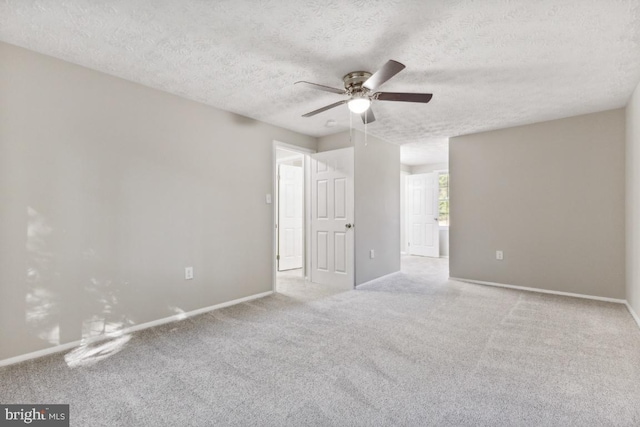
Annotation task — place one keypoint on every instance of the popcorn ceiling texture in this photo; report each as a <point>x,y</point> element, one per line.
<point>490,64</point>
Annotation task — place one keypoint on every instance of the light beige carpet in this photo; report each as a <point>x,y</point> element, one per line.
<point>410,349</point>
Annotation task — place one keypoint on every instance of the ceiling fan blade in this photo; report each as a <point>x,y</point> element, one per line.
<point>388,70</point>
<point>368,117</point>
<point>328,107</point>
<point>404,97</point>
<point>322,87</point>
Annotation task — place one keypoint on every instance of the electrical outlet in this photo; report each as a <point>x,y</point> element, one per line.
<point>188,273</point>
<point>499,255</point>
<point>372,254</point>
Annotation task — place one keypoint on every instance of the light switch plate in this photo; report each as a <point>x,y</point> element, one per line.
<point>268,199</point>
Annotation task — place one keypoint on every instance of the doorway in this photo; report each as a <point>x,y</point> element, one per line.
<point>423,237</point>
<point>290,209</point>
<point>426,212</point>
<point>313,211</point>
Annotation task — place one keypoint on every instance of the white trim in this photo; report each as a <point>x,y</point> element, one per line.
<point>378,278</point>
<point>307,218</point>
<point>41,353</point>
<point>633,313</point>
<point>542,291</point>
<point>134,328</point>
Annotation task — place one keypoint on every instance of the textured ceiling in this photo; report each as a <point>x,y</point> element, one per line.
<point>490,63</point>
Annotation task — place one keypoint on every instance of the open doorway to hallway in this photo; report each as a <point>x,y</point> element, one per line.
<point>424,203</point>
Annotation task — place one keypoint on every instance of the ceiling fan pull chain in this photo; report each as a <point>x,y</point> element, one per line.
<point>366,117</point>
<point>350,127</point>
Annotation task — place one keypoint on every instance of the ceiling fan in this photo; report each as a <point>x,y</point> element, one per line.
<point>361,88</point>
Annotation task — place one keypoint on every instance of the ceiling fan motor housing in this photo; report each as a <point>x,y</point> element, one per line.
<point>354,80</point>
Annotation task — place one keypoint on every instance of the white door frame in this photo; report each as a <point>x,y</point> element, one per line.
<point>306,152</point>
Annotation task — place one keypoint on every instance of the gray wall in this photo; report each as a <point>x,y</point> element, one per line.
<point>335,141</point>
<point>551,196</point>
<point>633,200</point>
<point>377,201</point>
<point>444,242</point>
<point>108,189</point>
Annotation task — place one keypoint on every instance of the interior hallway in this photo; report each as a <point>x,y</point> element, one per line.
<point>292,284</point>
<point>432,271</point>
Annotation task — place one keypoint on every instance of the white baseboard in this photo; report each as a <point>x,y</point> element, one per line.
<point>543,291</point>
<point>134,328</point>
<point>378,278</point>
<point>633,313</point>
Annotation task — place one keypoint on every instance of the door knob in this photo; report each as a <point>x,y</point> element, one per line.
<point>348,225</point>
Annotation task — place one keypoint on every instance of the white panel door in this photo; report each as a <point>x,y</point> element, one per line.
<point>423,236</point>
<point>332,233</point>
<point>290,217</point>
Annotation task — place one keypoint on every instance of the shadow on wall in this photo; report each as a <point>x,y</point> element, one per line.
<point>92,241</point>
<point>242,120</point>
<point>103,315</point>
<point>42,305</point>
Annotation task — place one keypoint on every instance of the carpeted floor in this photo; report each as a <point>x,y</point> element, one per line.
<point>407,350</point>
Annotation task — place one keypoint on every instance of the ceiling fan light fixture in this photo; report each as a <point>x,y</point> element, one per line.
<point>361,87</point>
<point>359,105</point>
